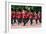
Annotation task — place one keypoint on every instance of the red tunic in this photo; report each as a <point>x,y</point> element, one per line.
<point>25,15</point>
<point>19,15</point>
<point>30,15</point>
<point>13,15</point>
<point>38,16</point>
<point>35,16</point>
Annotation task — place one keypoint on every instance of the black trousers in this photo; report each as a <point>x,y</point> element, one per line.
<point>25,20</point>
<point>36,21</point>
<point>31,21</point>
<point>40,20</point>
<point>19,20</point>
<point>12,20</point>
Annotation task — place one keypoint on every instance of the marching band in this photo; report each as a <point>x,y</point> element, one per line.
<point>24,15</point>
